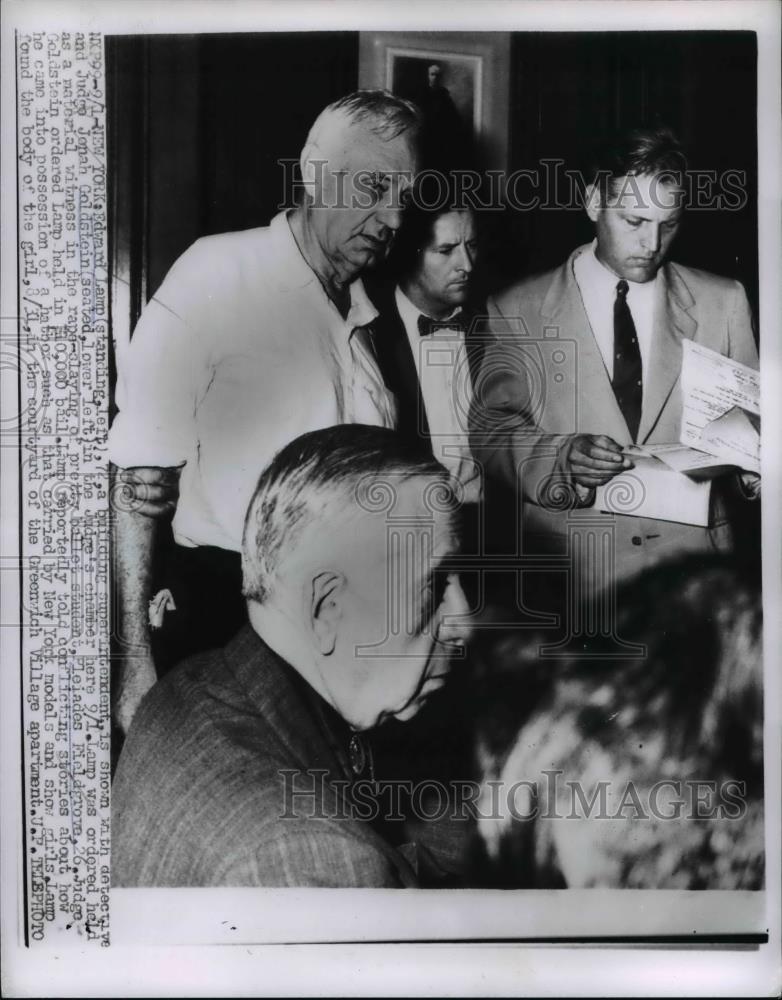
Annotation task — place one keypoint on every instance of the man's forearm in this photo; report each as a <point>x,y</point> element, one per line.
<point>133,547</point>
<point>133,542</point>
<point>533,462</point>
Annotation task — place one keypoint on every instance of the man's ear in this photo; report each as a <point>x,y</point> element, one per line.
<point>307,169</point>
<point>326,609</point>
<point>592,201</point>
<point>313,164</point>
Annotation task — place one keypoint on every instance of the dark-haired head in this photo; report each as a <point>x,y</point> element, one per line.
<point>637,152</point>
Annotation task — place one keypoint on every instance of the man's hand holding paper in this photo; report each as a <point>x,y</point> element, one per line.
<point>594,459</point>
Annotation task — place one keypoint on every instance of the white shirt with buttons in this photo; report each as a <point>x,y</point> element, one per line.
<point>446,389</point>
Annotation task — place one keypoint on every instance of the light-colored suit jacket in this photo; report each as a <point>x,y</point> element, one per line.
<point>543,380</point>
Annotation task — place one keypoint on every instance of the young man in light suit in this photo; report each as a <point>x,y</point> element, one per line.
<point>586,360</point>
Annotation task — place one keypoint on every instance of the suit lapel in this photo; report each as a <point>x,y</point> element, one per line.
<point>672,323</point>
<point>397,365</point>
<point>596,402</point>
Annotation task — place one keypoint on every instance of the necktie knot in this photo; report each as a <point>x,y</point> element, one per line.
<point>622,289</point>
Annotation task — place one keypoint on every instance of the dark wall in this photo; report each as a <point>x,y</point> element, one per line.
<point>568,88</point>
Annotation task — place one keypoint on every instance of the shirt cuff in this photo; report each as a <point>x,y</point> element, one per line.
<point>130,446</point>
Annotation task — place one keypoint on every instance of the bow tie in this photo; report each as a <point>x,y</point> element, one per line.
<point>427,325</point>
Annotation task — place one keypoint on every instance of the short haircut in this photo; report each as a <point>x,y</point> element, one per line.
<point>689,709</point>
<point>382,112</point>
<point>435,194</point>
<point>316,480</point>
<point>653,150</point>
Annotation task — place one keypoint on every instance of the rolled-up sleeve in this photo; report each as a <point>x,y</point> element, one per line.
<point>161,372</point>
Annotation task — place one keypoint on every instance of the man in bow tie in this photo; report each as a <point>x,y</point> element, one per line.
<point>251,765</point>
<point>425,335</point>
<point>586,361</point>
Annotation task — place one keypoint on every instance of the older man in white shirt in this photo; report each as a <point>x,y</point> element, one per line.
<point>254,338</point>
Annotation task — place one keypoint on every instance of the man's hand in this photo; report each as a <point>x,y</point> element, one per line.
<point>594,459</point>
<point>750,484</point>
<point>148,490</point>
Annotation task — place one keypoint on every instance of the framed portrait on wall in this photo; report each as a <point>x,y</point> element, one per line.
<point>448,79</point>
<point>458,80</point>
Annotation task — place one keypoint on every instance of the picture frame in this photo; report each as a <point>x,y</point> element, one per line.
<point>473,74</point>
<point>459,76</point>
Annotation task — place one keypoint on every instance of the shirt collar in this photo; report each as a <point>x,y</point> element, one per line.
<point>361,311</point>
<point>292,271</point>
<point>409,312</point>
<point>289,268</point>
<point>606,281</point>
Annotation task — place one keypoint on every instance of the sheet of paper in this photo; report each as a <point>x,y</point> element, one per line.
<point>711,385</point>
<point>653,490</point>
<point>734,436</point>
<point>680,458</point>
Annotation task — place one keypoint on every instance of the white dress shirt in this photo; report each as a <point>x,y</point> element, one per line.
<point>239,352</point>
<point>446,388</point>
<point>598,292</point>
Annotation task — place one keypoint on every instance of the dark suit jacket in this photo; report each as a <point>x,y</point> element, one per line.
<point>396,361</point>
<point>543,379</point>
<point>199,795</point>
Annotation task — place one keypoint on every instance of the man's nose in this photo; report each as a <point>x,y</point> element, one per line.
<point>390,217</point>
<point>651,238</point>
<point>390,212</point>
<point>465,262</point>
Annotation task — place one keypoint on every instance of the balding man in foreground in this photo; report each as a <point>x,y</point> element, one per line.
<point>250,765</point>
<point>254,338</point>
